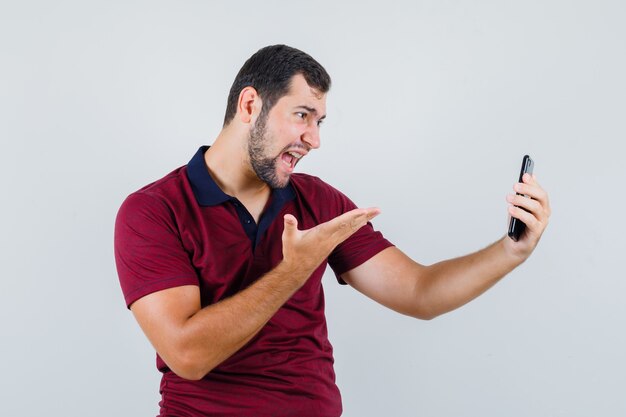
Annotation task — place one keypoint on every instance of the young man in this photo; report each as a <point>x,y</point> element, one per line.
<point>221,260</point>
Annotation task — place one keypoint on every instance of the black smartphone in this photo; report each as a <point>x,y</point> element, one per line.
<point>516,226</point>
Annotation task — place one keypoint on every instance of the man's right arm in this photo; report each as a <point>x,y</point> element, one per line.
<point>193,340</point>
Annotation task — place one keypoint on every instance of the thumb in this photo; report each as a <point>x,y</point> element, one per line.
<point>291,224</point>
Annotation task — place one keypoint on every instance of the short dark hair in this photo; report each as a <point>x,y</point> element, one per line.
<point>270,71</point>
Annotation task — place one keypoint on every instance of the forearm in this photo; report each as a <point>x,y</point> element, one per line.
<point>219,330</point>
<point>450,284</point>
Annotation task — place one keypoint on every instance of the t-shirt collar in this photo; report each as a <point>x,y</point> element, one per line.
<point>208,193</point>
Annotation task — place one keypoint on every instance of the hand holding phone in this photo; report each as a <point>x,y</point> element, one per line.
<point>516,226</point>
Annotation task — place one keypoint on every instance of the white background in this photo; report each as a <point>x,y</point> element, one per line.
<point>433,105</point>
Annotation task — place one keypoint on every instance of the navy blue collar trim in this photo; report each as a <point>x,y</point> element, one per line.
<point>208,193</point>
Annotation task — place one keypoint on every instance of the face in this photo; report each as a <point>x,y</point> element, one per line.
<point>281,138</point>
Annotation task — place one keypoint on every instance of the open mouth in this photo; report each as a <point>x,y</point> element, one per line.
<point>291,158</point>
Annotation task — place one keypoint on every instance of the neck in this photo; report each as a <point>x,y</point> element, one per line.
<point>229,165</point>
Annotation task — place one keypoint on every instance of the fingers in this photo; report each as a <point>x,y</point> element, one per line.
<point>527,203</point>
<point>529,219</point>
<point>532,207</point>
<point>308,248</point>
<point>343,226</point>
<point>354,219</point>
<point>531,188</point>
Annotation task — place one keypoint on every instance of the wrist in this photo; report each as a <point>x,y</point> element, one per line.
<point>514,254</point>
<point>294,270</point>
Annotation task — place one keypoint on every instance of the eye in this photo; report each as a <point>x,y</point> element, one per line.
<point>320,122</point>
<point>301,114</point>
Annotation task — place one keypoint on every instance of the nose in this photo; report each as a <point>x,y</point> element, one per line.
<point>311,136</point>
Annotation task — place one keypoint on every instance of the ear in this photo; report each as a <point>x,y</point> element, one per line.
<point>249,105</point>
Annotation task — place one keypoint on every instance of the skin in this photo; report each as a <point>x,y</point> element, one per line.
<point>425,292</point>
<point>193,340</point>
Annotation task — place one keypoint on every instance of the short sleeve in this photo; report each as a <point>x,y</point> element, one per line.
<point>149,254</point>
<point>359,247</point>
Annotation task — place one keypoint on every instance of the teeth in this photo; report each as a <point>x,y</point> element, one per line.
<point>295,155</point>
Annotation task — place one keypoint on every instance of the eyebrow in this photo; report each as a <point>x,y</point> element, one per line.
<point>310,110</point>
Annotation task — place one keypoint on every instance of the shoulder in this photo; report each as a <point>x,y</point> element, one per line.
<point>155,200</point>
<point>168,187</point>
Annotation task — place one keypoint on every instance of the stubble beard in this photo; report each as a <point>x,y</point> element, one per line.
<point>264,166</point>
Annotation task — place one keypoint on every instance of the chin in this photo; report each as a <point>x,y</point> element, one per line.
<point>280,182</point>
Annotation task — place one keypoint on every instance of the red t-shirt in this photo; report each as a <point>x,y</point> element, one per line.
<point>183,230</point>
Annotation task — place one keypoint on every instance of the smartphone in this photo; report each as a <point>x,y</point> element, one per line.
<point>516,226</point>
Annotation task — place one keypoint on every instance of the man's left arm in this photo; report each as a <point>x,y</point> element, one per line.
<point>396,281</point>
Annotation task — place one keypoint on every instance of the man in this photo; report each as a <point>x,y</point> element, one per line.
<point>221,260</point>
